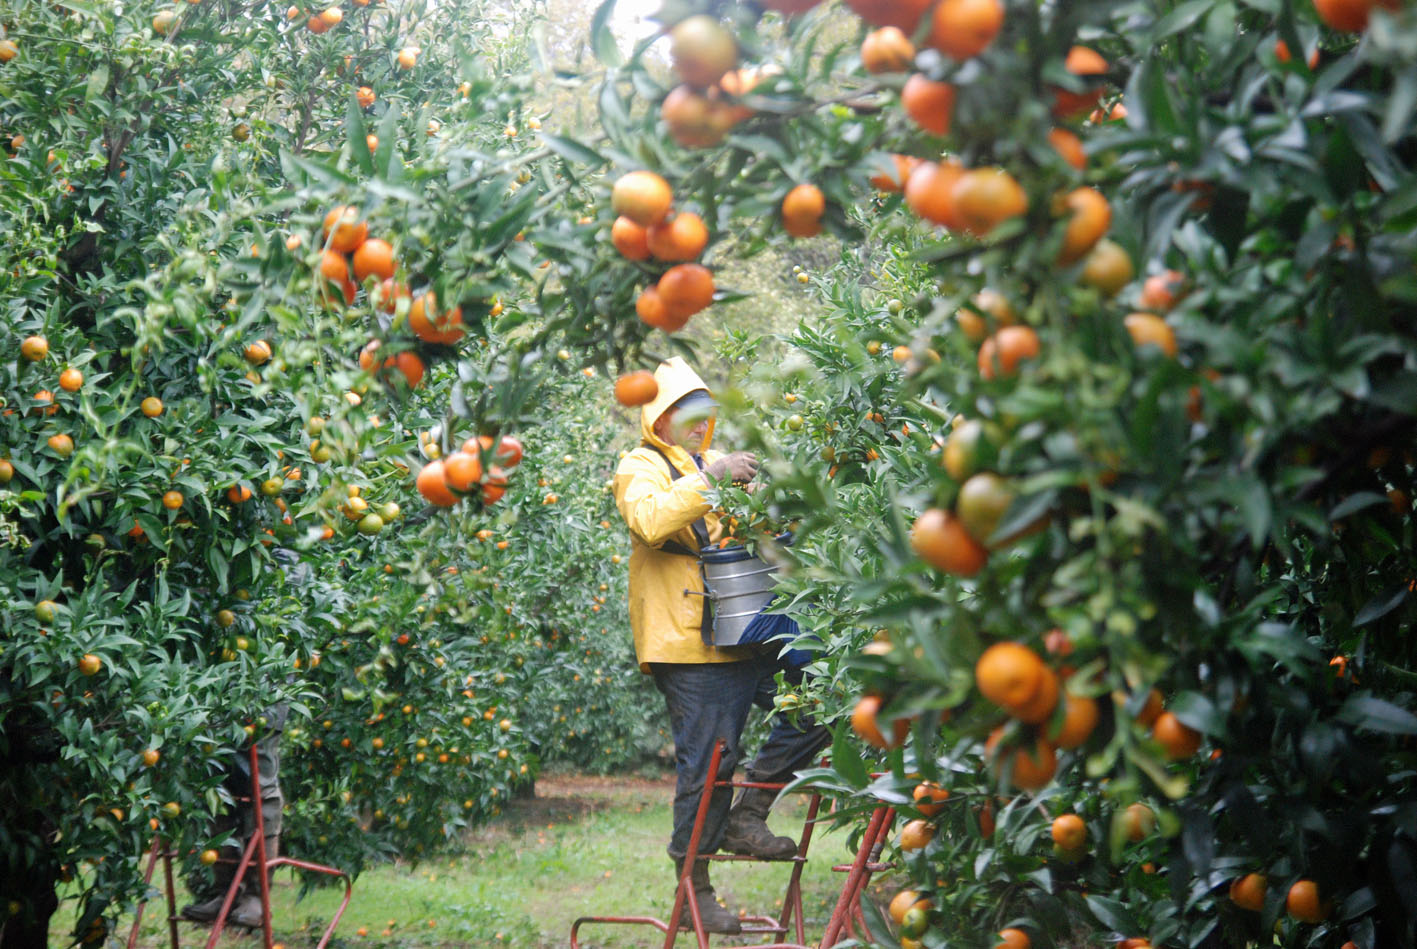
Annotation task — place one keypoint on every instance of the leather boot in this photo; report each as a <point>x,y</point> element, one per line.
<point>716,919</point>
<point>747,831</point>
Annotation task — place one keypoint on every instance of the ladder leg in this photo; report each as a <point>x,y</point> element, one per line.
<point>685,889</point>
<point>258,808</point>
<point>171,897</point>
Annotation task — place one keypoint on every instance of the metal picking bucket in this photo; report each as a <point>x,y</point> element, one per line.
<point>738,586</point>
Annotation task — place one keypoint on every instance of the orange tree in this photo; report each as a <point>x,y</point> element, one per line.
<point>1149,563</point>
<point>191,391</point>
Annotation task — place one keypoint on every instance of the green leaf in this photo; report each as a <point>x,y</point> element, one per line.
<point>602,38</point>
<point>1199,712</point>
<point>1367,711</point>
<point>846,758</point>
<point>572,151</point>
<point>1113,914</point>
<point>1357,502</point>
<point>356,134</point>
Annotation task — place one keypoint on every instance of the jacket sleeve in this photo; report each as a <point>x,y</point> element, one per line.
<point>653,511</point>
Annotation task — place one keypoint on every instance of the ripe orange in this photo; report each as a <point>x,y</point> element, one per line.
<point>151,406</point>
<point>929,192</point>
<point>636,388</point>
<point>343,229</point>
<point>685,289</point>
<point>802,211</point>
<point>1248,892</point>
<point>408,57</point>
<point>89,664</point>
<point>916,834</point>
<point>1090,217</point>
<point>409,364</point>
<point>1069,146</point>
<point>887,50</point>
<point>1148,329</point>
<point>462,471</point>
<point>1138,822</point>
<point>1040,708</point>
<point>389,294</point>
<point>61,444</point>
<point>1350,16</point>
<point>864,721</point>
<point>939,539</point>
<point>1009,674</point>
<point>990,302</point>
<point>642,196</point>
<point>45,398</point>
<point>929,103</point>
<point>681,236</point>
<point>1160,292</point>
<point>430,325</point>
<point>71,380</point>
<point>495,486</point>
<point>702,50</point>
<point>1032,766</point>
<point>986,197</point>
<point>258,352</point>
<point>1013,939</point>
<point>1079,719</point>
<point>375,258</point>
<point>34,348</point>
<point>986,819</point>
<point>371,142</point>
<point>8,50</point>
<point>1069,831</point>
<point>962,29</point>
<point>365,97</point>
<point>904,14</point>
<point>1303,902</point>
<point>150,757</point>
<point>893,176</point>
<point>1281,53</point>
<point>1001,353</point>
<point>432,484</point>
<point>929,798</point>
<point>695,120</point>
<point>172,500</point>
<point>331,16</point>
<point>629,238</point>
<point>1108,268</point>
<point>1084,62</point>
<point>651,309</point>
<point>1179,740</point>
<point>904,901</point>
<point>238,494</point>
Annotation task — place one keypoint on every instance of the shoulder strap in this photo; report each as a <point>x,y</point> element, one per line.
<point>699,527</point>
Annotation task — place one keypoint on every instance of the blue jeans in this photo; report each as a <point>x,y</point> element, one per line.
<point>711,700</point>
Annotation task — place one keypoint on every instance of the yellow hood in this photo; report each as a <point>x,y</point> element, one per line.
<point>676,380</point>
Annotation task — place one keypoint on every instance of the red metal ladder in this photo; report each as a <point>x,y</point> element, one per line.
<point>846,916</point>
<point>255,853</point>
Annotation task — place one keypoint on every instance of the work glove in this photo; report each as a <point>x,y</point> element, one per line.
<point>741,467</point>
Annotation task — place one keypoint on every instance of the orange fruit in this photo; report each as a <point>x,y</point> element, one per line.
<point>430,325</point>
<point>258,352</point>
<point>1303,902</point>
<point>940,540</point>
<point>887,50</point>
<point>1160,292</point>
<point>929,192</point>
<point>389,294</point>
<point>151,406</point>
<point>343,229</point>
<point>371,142</point>
<point>1350,16</point>
<point>636,388</point>
<point>1138,822</point>
<point>368,356</point>
<point>1148,329</point>
<point>71,380</point>
<point>629,238</point>
<point>1013,939</point>
<point>495,486</point>
<point>432,484</point>
<point>61,444</point>
<point>702,50</point>
<point>408,57</point>
<point>172,500</point>
<point>8,50</point>
<point>462,471</point>
<point>893,176</point>
<point>904,901</point>
<point>651,309</point>
<point>409,364</point>
<point>986,819</point>
<point>1248,892</point>
<point>331,16</point>
<point>1151,711</point>
<point>1179,740</point>
<point>1108,268</point>
<point>962,29</point>
<point>374,258</point>
<point>1069,831</point>
<point>1009,674</point>
<point>904,14</point>
<point>916,834</point>
<point>929,798</point>
<point>929,103</point>
<point>642,196</point>
<point>1079,720</point>
<point>151,757</point>
<point>986,197</point>
<point>365,97</point>
<point>1281,53</point>
<point>685,289</point>
<point>1032,766</point>
<point>990,302</point>
<point>89,664</point>
<point>1080,61</point>
<point>694,120</point>
<point>1069,146</point>
<point>238,494</point>
<point>802,211</point>
<point>1090,217</point>
<point>46,400</point>
<point>864,721</point>
<point>1001,353</point>
<point>681,236</point>
<point>34,348</point>
<point>1040,708</point>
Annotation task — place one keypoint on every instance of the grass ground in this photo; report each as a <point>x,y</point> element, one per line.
<point>583,846</point>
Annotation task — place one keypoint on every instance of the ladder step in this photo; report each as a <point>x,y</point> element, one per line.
<point>749,857</point>
<point>873,867</point>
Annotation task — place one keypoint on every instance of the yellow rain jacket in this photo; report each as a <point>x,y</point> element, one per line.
<point>665,621</point>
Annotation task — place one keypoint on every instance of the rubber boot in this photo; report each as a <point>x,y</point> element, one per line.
<point>222,873</point>
<point>747,831</point>
<point>716,919</point>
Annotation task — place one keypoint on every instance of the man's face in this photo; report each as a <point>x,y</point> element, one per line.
<point>688,428</point>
